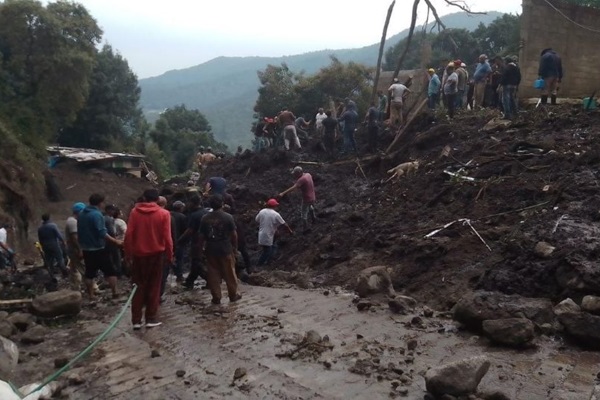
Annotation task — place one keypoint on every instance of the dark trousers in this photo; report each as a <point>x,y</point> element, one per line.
<point>373,136</point>
<point>146,273</point>
<point>220,268</point>
<point>196,270</point>
<point>245,256</point>
<point>329,143</point>
<point>451,104</point>
<point>267,254</point>
<point>433,100</point>
<point>349,141</point>
<point>53,255</point>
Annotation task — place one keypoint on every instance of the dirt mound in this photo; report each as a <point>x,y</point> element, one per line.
<point>505,187</point>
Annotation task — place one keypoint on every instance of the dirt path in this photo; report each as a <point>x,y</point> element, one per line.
<point>368,358</point>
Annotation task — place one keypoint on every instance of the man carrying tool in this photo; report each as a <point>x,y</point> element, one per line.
<point>551,72</point>
<point>304,182</point>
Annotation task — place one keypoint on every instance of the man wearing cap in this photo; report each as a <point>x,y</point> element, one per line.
<point>51,240</point>
<point>382,105</point>
<point>480,78</point>
<point>304,182</point>
<point>259,134</point>
<point>551,72</point>
<point>509,82</point>
<point>73,250</point>
<point>269,222</point>
<point>219,240</point>
<point>463,78</point>
<point>433,90</point>
<point>398,93</point>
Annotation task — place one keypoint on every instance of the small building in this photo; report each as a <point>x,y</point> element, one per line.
<point>132,164</point>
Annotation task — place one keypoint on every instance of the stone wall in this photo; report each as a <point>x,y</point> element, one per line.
<point>543,27</point>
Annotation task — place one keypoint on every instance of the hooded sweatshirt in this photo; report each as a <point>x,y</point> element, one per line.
<point>148,231</point>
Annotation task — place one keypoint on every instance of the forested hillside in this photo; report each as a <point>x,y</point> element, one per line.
<point>225,88</point>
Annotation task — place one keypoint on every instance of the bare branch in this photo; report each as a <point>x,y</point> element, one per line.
<point>411,31</point>
<point>381,46</point>
<point>463,6</point>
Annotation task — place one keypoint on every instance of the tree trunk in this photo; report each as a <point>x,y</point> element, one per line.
<point>413,22</point>
<point>381,46</point>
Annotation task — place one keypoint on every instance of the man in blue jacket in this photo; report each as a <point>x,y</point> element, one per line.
<point>482,72</point>
<point>433,90</point>
<point>92,235</point>
<point>551,72</point>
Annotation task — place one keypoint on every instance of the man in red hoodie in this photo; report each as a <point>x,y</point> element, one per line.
<point>148,246</point>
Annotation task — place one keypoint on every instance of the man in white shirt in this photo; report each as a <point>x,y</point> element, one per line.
<point>6,253</point>
<point>269,222</point>
<point>319,121</point>
<point>398,93</point>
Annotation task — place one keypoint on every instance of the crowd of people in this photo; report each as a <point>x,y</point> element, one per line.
<point>203,234</point>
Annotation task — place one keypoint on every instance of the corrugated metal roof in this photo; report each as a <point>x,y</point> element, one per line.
<point>87,155</point>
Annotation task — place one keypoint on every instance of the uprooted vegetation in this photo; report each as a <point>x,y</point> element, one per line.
<point>507,187</point>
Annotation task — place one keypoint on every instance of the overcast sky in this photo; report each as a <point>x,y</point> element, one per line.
<point>157,36</point>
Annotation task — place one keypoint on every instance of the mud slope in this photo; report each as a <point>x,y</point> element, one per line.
<point>532,181</point>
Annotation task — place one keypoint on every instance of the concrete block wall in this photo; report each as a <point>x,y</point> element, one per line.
<point>579,48</point>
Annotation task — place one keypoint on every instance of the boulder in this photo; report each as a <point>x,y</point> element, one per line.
<point>3,315</point>
<point>34,335</point>
<point>374,280</point>
<point>509,331</point>
<point>7,329</point>
<point>9,357</point>
<point>544,250</point>
<point>583,327</point>
<point>474,308</point>
<point>566,306</point>
<point>21,320</point>
<point>591,304</point>
<point>402,304</point>
<point>457,378</point>
<point>54,304</point>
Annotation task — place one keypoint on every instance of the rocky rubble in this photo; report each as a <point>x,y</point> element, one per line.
<point>457,378</point>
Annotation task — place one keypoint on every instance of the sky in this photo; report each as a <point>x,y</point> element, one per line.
<point>156,35</point>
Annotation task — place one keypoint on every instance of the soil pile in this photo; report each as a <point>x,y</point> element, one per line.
<point>504,187</point>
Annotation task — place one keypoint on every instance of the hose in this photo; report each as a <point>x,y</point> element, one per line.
<point>87,349</point>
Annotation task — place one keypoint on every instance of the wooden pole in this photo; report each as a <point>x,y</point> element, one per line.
<point>412,117</point>
<point>381,46</point>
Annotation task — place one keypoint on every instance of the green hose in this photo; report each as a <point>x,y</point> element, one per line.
<point>87,349</point>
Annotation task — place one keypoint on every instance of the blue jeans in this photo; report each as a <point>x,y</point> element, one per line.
<point>267,254</point>
<point>433,100</point>
<point>509,102</point>
<point>349,142</point>
<point>258,144</point>
<point>459,99</point>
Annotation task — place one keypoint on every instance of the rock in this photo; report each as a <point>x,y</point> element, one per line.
<point>363,305</point>
<point>493,395</point>
<point>496,123</point>
<point>9,358</point>
<point>448,397</point>
<point>180,373</point>
<point>75,379</point>
<point>374,280</point>
<point>54,304</point>
<point>3,315</point>
<point>591,304</point>
<point>21,320</point>
<point>239,373</point>
<point>474,308</point>
<point>509,331</point>
<point>7,329</point>
<point>327,364</point>
<point>582,327</point>
<point>427,312</point>
<point>312,336</point>
<point>154,354</point>
<point>402,304</point>
<point>34,335</point>
<point>457,378</point>
<point>544,250</point>
<point>412,344</point>
<point>566,306</point>
<point>60,362</point>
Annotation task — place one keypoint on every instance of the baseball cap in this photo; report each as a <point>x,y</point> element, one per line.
<point>272,203</point>
<point>178,204</point>
<point>483,56</point>
<point>297,170</point>
<point>457,62</point>
<point>451,64</point>
<point>78,207</point>
<point>431,70</point>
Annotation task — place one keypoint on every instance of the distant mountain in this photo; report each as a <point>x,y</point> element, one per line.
<point>225,88</point>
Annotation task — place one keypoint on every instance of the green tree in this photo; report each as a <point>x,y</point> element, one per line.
<point>178,133</point>
<point>47,55</point>
<point>112,112</point>
<point>501,37</point>
<point>276,90</point>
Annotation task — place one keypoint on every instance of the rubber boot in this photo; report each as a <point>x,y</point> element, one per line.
<point>544,99</point>
<point>553,99</point>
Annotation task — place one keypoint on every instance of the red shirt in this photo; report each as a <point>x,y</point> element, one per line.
<point>307,187</point>
<point>148,231</point>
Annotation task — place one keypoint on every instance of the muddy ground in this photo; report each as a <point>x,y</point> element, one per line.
<point>532,181</point>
